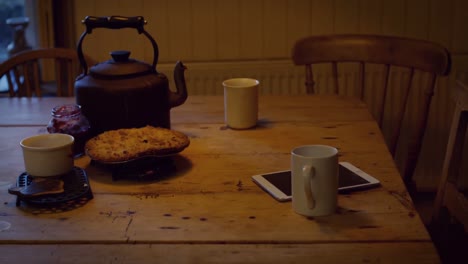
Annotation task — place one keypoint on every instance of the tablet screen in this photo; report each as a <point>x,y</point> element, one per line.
<point>282,180</point>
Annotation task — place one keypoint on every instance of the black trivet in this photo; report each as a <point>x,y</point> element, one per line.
<point>77,192</point>
<point>142,169</point>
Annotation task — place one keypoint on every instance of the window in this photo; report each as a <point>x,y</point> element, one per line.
<point>40,30</point>
<point>8,9</point>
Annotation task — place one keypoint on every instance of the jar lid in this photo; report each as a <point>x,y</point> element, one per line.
<point>121,66</point>
<point>66,110</point>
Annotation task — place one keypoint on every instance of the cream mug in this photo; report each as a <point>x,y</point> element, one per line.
<point>241,102</point>
<point>48,155</point>
<point>314,180</point>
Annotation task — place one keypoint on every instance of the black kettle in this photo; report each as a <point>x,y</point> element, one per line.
<point>123,92</point>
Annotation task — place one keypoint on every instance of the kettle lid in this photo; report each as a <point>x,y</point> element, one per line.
<point>121,66</point>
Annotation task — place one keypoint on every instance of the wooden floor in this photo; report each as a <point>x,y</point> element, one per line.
<point>451,240</point>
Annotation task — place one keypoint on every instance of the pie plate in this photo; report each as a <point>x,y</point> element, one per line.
<point>169,154</point>
<point>128,145</point>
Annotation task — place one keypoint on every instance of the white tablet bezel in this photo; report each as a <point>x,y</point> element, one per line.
<point>371,180</point>
<point>282,197</point>
<point>270,188</point>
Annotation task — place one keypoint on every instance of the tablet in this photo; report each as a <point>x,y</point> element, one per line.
<point>350,178</point>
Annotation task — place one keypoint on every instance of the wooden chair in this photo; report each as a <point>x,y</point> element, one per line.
<point>449,225</point>
<point>452,192</point>
<point>388,54</point>
<point>23,71</point>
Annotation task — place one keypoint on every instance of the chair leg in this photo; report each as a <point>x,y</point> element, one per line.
<point>449,238</point>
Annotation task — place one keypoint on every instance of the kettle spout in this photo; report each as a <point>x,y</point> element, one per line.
<point>180,95</point>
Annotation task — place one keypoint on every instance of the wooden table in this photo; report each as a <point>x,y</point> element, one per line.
<point>210,211</point>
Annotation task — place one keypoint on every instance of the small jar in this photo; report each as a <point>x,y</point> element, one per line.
<point>67,119</point>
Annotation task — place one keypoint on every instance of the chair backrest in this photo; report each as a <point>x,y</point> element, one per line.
<point>23,71</point>
<point>453,187</point>
<point>389,53</point>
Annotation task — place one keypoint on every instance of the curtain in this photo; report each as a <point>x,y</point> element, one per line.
<point>40,31</point>
<point>51,23</point>
<point>64,26</point>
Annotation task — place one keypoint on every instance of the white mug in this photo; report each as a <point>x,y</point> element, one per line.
<point>48,155</point>
<point>314,180</point>
<point>241,102</point>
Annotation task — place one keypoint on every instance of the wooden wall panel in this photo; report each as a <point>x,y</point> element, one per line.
<point>370,16</point>
<point>156,14</point>
<point>274,30</point>
<point>82,9</point>
<point>217,30</point>
<point>323,17</point>
<point>106,40</point>
<point>134,40</point>
<point>251,25</point>
<point>346,16</point>
<point>394,17</point>
<point>227,30</point>
<point>460,26</point>
<point>180,29</point>
<point>417,19</point>
<point>298,20</point>
<point>440,22</point>
<point>204,30</point>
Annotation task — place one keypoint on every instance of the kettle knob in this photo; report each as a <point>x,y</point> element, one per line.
<point>120,55</point>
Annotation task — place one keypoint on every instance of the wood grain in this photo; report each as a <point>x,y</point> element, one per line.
<point>210,209</point>
<point>413,252</point>
<point>251,30</point>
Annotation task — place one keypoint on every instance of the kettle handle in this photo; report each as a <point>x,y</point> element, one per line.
<point>114,22</point>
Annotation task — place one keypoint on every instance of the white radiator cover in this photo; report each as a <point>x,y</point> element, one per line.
<point>276,77</point>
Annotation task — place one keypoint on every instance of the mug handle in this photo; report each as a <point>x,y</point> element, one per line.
<point>307,173</point>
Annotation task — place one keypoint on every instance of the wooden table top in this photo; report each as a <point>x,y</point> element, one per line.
<point>209,210</point>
